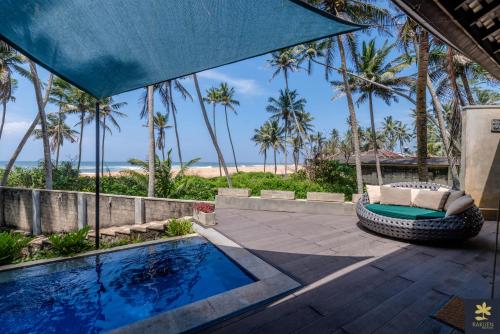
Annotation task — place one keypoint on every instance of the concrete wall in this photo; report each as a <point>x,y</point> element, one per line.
<point>285,205</point>
<point>393,174</point>
<point>480,174</point>
<point>63,211</point>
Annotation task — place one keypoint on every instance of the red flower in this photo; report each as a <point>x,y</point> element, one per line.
<point>204,207</point>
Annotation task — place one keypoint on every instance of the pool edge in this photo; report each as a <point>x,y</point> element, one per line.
<point>28,264</point>
<point>271,284</point>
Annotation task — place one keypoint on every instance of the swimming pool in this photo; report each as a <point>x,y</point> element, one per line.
<point>97,293</point>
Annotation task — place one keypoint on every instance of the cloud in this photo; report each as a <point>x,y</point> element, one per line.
<point>16,128</point>
<point>242,86</point>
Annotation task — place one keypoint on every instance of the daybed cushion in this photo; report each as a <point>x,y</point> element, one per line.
<point>433,200</point>
<point>395,196</point>
<point>373,194</point>
<point>460,205</point>
<point>404,212</point>
<point>454,195</point>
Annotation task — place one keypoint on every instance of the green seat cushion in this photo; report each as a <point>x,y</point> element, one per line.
<point>404,212</point>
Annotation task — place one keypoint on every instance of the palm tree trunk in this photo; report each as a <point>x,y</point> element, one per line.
<point>57,154</point>
<point>4,111</point>
<point>453,78</point>
<point>26,136</point>
<point>352,114</point>
<point>374,139</point>
<point>468,91</point>
<point>275,166</point>
<point>43,122</point>
<point>230,139</point>
<point>163,152</point>
<point>151,147</point>
<point>102,144</point>
<point>210,131</point>
<point>285,149</point>
<point>18,150</point>
<point>215,134</point>
<point>82,116</point>
<point>265,158</point>
<point>421,112</point>
<point>175,125</point>
<point>438,110</point>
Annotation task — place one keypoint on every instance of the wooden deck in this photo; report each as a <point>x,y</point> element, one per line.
<point>353,281</point>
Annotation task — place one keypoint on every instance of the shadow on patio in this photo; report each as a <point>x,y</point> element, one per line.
<point>354,281</point>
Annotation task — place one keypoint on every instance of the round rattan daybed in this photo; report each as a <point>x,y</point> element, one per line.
<point>458,227</point>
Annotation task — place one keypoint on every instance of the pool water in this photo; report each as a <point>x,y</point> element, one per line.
<point>98,293</point>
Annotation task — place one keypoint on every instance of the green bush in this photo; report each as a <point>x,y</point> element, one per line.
<point>70,243</point>
<point>178,227</point>
<point>333,176</point>
<point>257,181</point>
<point>195,187</point>
<point>320,175</point>
<point>11,245</point>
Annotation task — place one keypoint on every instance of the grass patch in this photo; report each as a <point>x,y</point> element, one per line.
<point>178,227</point>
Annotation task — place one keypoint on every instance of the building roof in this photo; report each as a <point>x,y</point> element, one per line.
<point>109,47</point>
<point>388,158</point>
<point>470,26</point>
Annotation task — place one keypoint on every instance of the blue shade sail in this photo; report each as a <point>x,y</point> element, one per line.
<point>106,47</point>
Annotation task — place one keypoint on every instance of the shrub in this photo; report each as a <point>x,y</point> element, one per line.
<point>195,187</point>
<point>178,227</point>
<point>70,243</point>
<point>333,176</point>
<point>11,245</point>
<point>204,207</point>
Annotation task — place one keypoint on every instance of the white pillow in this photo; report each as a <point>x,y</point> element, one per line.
<point>414,193</point>
<point>459,205</point>
<point>373,193</point>
<point>395,196</point>
<point>433,200</point>
<point>454,195</point>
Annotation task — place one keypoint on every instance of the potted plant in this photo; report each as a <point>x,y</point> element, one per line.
<point>204,213</point>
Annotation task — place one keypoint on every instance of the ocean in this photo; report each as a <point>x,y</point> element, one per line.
<point>116,166</point>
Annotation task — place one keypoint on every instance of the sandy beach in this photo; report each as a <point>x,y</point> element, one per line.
<point>209,172</point>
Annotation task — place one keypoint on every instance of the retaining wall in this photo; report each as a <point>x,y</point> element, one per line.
<point>49,211</point>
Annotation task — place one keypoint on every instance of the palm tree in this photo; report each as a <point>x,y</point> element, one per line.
<point>167,98</point>
<point>487,96</point>
<point>262,137</point>
<point>41,103</point>
<point>409,37</point>
<point>108,113</point>
<point>276,139</point>
<point>58,131</point>
<point>213,98</point>
<point>284,61</point>
<point>80,103</point>
<point>228,101</point>
<point>161,125</point>
<point>372,64</point>
<point>358,11</point>
<point>10,62</point>
<point>389,126</point>
<point>421,107</point>
<point>402,135</point>
<point>281,109</point>
<point>210,130</point>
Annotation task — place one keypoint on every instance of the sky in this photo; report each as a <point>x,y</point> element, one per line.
<point>252,81</point>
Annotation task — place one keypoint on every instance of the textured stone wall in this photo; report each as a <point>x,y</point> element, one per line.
<point>63,211</point>
<point>395,174</point>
